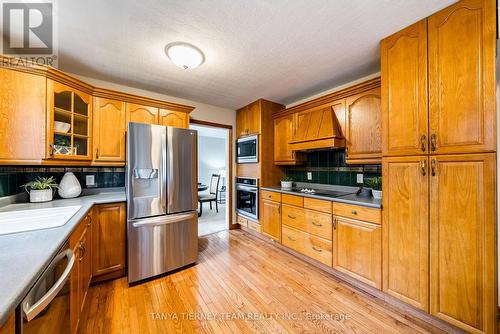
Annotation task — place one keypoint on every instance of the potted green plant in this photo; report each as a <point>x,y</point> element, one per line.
<point>286,182</point>
<point>41,190</point>
<point>376,185</point>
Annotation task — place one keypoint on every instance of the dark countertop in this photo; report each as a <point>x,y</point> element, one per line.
<point>369,202</point>
<point>25,255</point>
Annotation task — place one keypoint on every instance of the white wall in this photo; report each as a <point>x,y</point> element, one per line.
<point>211,157</point>
<point>202,111</point>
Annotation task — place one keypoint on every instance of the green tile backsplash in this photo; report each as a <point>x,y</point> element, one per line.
<point>329,167</point>
<point>12,178</point>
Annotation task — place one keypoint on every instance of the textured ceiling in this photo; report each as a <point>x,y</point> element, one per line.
<point>276,49</point>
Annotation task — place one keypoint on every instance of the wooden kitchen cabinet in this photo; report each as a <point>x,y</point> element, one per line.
<point>462,101</point>
<point>248,119</point>
<point>463,258</point>
<point>9,327</point>
<point>22,117</point>
<point>141,114</point>
<point>404,91</point>
<point>108,241</point>
<point>271,219</point>
<point>406,229</point>
<point>363,128</point>
<point>73,107</point>
<point>284,129</point>
<point>109,130</point>
<point>174,118</point>
<point>80,276</point>
<point>357,250</point>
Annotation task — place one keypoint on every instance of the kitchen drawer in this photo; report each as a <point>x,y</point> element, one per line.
<point>319,249</point>
<point>316,248</point>
<point>254,226</point>
<point>294,239</point>
<point>242,221</point>
<point>271,195</point>
<point>294,217</point>
<point>316,223</point>
<point>371,215</point>
<point>318,204</point>
<point>292,200</point>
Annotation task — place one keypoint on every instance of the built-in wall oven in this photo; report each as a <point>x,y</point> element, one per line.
<point>248,149</point>
<point>247,197</point>
<point>46,307</point>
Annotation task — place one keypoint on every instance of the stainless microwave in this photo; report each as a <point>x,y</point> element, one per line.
<point>247,150</point>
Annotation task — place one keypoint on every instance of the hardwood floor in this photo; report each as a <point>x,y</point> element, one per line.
<point>241,284</point>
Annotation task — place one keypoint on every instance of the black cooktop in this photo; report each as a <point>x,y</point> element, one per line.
<point>322,192</point>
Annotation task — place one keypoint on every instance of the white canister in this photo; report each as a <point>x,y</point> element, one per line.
<point>377,194</point>
<point>37,196</point>
<point>69,186</point>
<point>286,184</point>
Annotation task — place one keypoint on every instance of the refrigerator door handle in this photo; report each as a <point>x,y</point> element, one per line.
<point>164,173</point>
<point>162,220</point>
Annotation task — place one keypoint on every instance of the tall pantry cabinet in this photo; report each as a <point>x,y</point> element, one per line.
<point>439,165</point>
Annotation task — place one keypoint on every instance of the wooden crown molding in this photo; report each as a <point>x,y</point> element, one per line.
<point>66,79</point>
<point>327,99</point>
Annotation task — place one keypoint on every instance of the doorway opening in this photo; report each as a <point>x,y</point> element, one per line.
<point>214,177</point>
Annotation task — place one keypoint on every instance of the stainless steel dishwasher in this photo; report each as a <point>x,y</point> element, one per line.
<point>45,309</point>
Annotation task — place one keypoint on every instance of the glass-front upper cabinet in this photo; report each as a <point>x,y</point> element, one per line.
<point>70,122</point>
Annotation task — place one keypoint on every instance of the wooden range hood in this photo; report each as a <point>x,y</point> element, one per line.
<point>317,128</point>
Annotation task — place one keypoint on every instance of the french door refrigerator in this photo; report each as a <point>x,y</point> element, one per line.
<point>162,221</point>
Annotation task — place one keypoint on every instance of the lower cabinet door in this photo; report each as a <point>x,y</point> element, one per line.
<point>463,275</point>
<point>271,219</point>
<point>358,250</point>
<point>108,240</point>
<point>406,229</point>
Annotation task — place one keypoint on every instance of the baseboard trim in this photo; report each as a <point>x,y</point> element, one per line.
<point>387,300</point>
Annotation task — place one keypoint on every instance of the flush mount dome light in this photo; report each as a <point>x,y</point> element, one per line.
<point>184,55</point>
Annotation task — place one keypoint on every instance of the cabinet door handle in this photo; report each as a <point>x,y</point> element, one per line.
<point>97,153</point>
<point>279,209</point>
<point>422,167</point>
<point>90,221</point>
<point>317,249</point>
<point>354,212</point>
<point>81,250</point>
<point>291,217</point>
<point>423,140</point>
<point>433,142</point>
<point>433,167</point>
<point>317,224</point>
<point>51,150</point>
<point>291,239</point>
<point>334,223</point>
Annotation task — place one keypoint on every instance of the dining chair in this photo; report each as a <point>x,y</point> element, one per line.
<point>212,194</point>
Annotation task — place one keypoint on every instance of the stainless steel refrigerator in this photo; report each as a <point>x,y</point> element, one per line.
<point>162,221</point>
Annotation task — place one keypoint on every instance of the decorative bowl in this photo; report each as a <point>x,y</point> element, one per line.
<point>62,127</point>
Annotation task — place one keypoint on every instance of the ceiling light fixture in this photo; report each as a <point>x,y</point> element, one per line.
<point>184,55</point>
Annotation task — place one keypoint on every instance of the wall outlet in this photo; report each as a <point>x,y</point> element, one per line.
<point>359,178</point>
<point>309,176</point>
<point>90,180</point>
